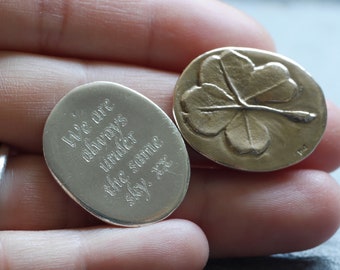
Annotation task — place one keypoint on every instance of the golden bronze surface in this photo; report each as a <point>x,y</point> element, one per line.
<point>249,109</point>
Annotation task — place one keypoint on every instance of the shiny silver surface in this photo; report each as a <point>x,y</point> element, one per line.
<point>117,154</point>
<point>3,159</point>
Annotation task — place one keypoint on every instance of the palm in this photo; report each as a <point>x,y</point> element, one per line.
<point>241,214</point>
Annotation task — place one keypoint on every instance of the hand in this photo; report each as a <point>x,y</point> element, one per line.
<point>50,47</point>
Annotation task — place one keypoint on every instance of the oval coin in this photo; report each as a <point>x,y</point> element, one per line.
<point>249,109</point>
<point>117,154</point>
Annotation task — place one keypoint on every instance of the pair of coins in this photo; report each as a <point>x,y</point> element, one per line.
<point>122,159</point>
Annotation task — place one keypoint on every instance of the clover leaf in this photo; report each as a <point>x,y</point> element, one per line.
<point>230,89</point>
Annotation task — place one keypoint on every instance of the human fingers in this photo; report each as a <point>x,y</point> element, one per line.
<point>327,144</point>
<point>252,214</point>
<point>163,34</point>
<point>173,244</point>
<point>242,214</point>
<point>30,199</point>
<point>31,85</point>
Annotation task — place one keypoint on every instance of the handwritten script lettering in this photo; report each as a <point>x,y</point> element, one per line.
<point>144,154</point>
<point>102,138</point>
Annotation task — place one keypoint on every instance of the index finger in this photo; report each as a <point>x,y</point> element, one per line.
<point>164,34</point>
<point>27,95</point>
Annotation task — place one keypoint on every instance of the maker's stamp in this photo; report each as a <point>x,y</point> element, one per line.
<point>249,109</point>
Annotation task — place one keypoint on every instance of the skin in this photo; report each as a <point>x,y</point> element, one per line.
<point>50,47</point>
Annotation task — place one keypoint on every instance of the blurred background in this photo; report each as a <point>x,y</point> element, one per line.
<point>307,31</point>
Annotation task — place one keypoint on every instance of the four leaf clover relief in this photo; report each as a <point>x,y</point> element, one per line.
<point>230,88</point>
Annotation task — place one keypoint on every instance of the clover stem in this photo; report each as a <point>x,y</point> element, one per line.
<point>296,116</point>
